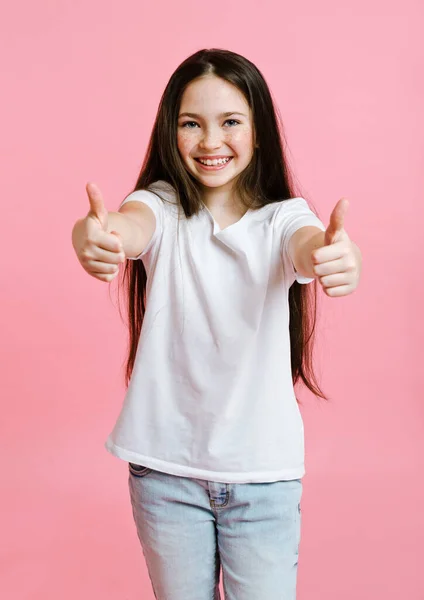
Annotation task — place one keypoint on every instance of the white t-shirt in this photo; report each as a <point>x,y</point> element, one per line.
<point>211,393</point>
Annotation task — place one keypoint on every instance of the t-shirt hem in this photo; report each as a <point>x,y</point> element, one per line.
<point>196,473</point>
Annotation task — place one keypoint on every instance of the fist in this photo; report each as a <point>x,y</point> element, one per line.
<point>338,262</point>
<point>99,252</point>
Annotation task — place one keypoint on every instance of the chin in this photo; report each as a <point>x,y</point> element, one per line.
<point>214,181</point>
<point>210,183</point>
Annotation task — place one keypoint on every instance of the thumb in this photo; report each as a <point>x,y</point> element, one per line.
<point>97,205</point>
<point>335,229</point>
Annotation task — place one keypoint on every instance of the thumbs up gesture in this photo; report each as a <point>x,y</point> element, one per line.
<point>98,250</point>
<point>338,262</point>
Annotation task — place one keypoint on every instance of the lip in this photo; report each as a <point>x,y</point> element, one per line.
<point>213,156</point>
<point>212,167</point>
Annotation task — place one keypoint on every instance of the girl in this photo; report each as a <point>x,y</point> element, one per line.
<point>219,246</point>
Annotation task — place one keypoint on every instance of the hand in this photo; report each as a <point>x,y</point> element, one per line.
<point>338,263</point>
<point>98,250</point>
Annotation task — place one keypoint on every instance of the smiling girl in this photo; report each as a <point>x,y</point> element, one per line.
<point>220,250</point>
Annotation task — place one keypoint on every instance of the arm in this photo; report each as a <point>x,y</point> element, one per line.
<point>135,222</point>
<point>329,255</point>
<point>102,240</point>
<point>301,245</point>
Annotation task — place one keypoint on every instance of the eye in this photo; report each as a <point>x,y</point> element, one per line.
<point>189,124</point>
<point>233,122</point>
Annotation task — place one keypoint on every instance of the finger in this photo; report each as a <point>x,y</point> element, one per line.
<point>95,254</point>
<point>118,235</point>
<point>329,281</point>
<point>338,215</point>
<point>97,205</point>
<point>337,219</point>
<point>327,253</point>
<point>107,241</point>
<point>106,277</point>
<point>330,268</point>
<point>96,266</point>
<point>121,243</point>
<point>102,247</point>
<point>111,258</point>
<point>341,290</point>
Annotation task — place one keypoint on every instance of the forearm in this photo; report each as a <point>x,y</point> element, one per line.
<point>129,230</point>
<point>315,242</point>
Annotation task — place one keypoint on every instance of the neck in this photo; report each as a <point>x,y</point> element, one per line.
<point>220,198</point>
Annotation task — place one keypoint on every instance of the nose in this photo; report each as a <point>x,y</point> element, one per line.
<point>211,140</point>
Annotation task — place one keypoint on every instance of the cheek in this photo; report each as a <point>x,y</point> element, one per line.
<point>241,139</point>
<point>185,142</point>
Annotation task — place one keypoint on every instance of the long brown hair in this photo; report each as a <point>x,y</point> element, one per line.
<point>266,179</point>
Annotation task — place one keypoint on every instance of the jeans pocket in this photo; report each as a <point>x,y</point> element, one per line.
<point>138,470</point>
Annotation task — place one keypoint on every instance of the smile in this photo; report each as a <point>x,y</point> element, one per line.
<point>213,164</point>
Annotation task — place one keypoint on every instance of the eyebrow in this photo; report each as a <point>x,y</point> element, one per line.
<point>226,114</point>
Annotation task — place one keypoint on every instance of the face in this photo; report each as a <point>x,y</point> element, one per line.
<point>215,132</point>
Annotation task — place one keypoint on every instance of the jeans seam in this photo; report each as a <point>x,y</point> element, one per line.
<point>224,504</point>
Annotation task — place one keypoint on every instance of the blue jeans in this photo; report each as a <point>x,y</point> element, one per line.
<point>190,528</point>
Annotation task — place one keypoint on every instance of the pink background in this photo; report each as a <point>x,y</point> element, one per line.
<point>80,90</point>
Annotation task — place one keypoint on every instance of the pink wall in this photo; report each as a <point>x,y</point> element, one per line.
<point>80,90</point>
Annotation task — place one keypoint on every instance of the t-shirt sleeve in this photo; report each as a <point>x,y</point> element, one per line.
<point>292,215</point>
<point>156,204</point>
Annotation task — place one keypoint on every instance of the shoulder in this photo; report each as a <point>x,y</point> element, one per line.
<point>164,190</point>
<point>293,214</point>
<point>293,208</point>
<point>160,189</point>
<point>292,205</point>
<point>160,196</point>
<point>287,216</point>
<point>280,210</point>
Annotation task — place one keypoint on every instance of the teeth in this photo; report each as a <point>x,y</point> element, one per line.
<point>215,162</point>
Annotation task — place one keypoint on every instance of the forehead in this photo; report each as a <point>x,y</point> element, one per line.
<point>212,95</point>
